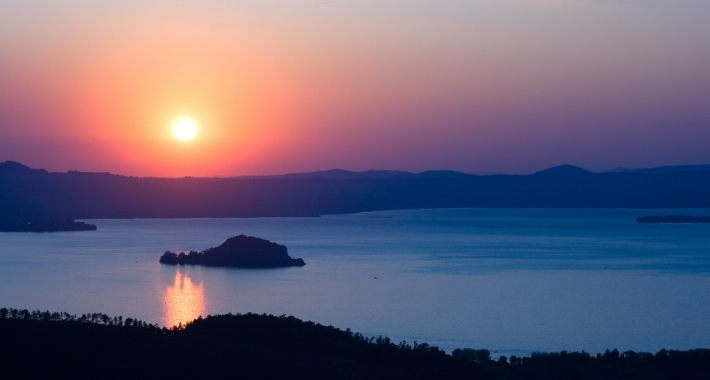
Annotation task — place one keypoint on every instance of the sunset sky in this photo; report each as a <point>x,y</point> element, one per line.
<point>279,86</point>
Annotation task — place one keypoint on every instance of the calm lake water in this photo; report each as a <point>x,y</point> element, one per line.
<point>512,281</point>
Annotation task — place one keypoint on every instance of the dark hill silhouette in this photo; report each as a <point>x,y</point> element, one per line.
<point>41,195</point>
<point>15,168</point>
<point>564,170</point>
<point>15,217</point>
<point>239,251</point>
<point>249,346</point>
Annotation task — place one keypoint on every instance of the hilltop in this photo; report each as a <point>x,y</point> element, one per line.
<point>59,345</point>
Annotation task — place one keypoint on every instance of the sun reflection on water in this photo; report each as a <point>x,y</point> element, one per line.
<point>184,301</point>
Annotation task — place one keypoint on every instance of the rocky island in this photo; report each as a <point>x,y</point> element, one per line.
<point>673,219</point>
<point>238,252</point>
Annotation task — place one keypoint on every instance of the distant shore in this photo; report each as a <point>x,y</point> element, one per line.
<point>673,219</point>
<point>45,226</point>
<point>29,194</point>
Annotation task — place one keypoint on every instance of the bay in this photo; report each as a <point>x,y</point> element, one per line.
<point>510,280</point>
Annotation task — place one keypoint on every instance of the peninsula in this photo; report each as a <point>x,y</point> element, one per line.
<point>239,252</point>
<point>44,226</point>
<point>673,219</point>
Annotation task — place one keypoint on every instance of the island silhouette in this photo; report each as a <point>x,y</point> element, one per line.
<point>239,252</point>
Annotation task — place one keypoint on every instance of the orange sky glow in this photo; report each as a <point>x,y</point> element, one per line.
<point>276,87</point>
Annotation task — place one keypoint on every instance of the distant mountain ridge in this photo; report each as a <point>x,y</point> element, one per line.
<point>34,194</point>
<point>564,170</point>
<point>664,169</point>
<point>346,174</point>
<point>9,167</point>
<point>674,169</point>
<point>12,167</point>
<point>368,174</point>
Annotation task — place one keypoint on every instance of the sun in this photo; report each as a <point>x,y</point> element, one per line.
<point>184,129</point>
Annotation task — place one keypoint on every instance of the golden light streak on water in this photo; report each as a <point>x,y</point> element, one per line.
<point>184,301</point>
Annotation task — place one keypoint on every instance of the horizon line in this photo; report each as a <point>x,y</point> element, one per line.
<point>703,167</point>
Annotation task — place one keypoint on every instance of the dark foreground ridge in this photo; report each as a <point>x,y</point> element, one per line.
<point>250,346</point>
<point>44,226</point>
<point>239,251</point>
<point>673,219</point>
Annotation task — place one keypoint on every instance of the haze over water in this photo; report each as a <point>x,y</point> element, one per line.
<point>512,281</point>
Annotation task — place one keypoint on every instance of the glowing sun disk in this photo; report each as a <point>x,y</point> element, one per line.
<point>184,129</point>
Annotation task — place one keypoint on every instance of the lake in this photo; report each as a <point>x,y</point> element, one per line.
<point>510,280</point>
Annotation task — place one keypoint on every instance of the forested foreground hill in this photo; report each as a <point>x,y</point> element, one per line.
<point>35,194</point>
<point>59,345</point>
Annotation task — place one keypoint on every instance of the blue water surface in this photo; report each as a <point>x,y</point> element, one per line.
<point>513,281</point>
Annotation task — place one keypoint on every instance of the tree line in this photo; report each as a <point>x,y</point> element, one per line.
<point>43,344</point>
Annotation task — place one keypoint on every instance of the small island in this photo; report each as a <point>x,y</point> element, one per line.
<point>237,252</point>
<point>673,219</point>
<point>44,226</point>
